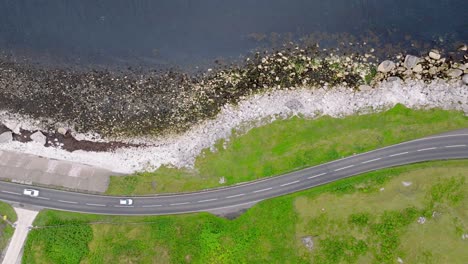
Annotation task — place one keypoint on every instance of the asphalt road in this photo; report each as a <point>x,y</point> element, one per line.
<point>448,146</point>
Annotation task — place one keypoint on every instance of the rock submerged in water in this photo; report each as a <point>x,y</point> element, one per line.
<point>386,66</point>
<point>434,54</point>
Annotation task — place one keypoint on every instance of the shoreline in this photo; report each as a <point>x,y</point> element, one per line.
<point>181,150</point>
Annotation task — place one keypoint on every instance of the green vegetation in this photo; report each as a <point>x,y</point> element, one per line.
<point>370,218</point>
<point>291,144</point>
<point>6,230</point>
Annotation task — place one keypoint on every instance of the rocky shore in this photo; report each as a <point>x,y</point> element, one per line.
<point>129,122</point>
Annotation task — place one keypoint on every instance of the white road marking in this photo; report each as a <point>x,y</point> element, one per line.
<point>43,198</point>
<point>344,168</point>
<point>152,205</point>
<point>11,192</point>
<point>91,204</point>
<point>178,204</point>
<point>398,154</point>
<point>208,200</point>
<point>131,206</point>
<point>311,177</point>
<point>289,183</point>
<point>237,195</point>
<point>70,202</point>
<point>455,146</point>
<point>262,190</point>
<point>372,160</point>
<point>425,149</point>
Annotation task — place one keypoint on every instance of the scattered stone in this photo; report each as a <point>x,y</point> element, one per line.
<point>382,189</point>
<point>434,54</point>
<point>418,68</point>
<point>422,220</point>
<point>454,73</point>
<point>6,137</point>
<point>465,78</point>
<point>411,61</point>
<point>39,138</point>
<point>464,236</point>
<point>433,71</point>
<point>308,242</point>
<point>406,184</point>
<point>399,260</point>
<point>222,180</point>
<point>386,66</point>
<point>62,130</point>
<point>463,48</point>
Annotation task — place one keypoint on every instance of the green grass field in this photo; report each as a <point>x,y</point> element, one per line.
<point>370,218</point>
<point>6,230</point>
<point>291,144</point>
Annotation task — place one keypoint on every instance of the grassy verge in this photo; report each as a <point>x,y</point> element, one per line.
<point>370,218</point>
<point>291,144</point>
<point>6,230</point>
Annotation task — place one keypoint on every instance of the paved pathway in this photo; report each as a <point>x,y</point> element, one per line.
<point>31,169</point>
<point>25,220</point>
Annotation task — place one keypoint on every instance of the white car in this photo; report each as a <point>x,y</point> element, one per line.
<point>31,192</point>
<point>126,201</point>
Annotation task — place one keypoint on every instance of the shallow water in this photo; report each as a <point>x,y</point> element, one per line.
<point>195,33</point>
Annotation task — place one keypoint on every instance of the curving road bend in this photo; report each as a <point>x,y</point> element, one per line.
<point>449,146</point>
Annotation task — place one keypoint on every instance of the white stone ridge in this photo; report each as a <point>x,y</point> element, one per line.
<point>181,150</point>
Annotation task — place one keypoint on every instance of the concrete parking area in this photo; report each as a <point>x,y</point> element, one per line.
<point>30,169</point>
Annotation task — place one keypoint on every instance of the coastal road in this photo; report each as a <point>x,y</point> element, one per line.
<point>453,145</point>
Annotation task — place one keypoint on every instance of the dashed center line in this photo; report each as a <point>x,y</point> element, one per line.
<point>311,177</point>
<point>70,202</point>
<point>425,149</point>
<point>123,206</point>
<point>344,168</point>
<point>237,195</point>
<point>43,198</point>
<point>455,146</point>
<point>398,154</point>
<point>207,200</point>
<point>262,190</point>
<point>372,160</point>
<point>178,203</point>
<point>92,204</point>
<point>152,205</point>
<point>11,192</point>
<point>289,183</point>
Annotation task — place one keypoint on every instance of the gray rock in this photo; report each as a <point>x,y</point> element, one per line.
<point>465,78</point>
<point>6,137</point>
<point>411,61</point>
<point>308,242</point>
<point>13,126</point>
<point>454,73</point>
<point>393,79</point>
<point>418,68</point>
<point>39,138</point>
<point>434,54</point>
<point>386,66</point>
<point>62,130</point>
<point>294,104</point>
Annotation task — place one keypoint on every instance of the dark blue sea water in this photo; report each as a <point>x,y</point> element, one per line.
<point>163,33</point>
